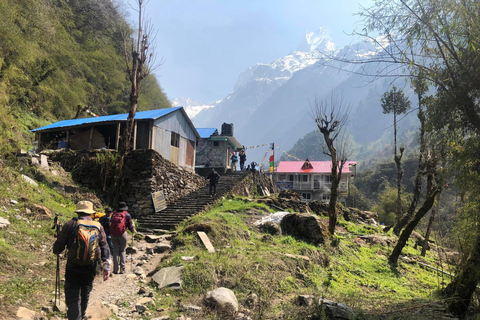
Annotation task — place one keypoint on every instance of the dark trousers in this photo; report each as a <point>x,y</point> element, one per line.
<point>214,186</point>
<point>242,164</point>
<point>110,244</point>
<point>77,291</point>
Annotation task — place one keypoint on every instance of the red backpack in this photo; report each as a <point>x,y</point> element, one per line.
<point>118,224</point>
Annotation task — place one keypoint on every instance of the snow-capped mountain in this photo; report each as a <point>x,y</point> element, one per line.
<point>316,41</point>
<point>274,102</point>
<point>192,107</point>
<point>257,83</point>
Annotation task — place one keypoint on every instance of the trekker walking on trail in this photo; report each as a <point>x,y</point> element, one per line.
<point>119,223</point>
<point>243,158</point>
<point>105,222</point>
<point>86,241</point>
<point>234,159</point>
<point>213,176</point>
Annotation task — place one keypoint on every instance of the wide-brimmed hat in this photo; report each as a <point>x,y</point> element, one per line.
<point>122,206</point>
<point>85,207</point>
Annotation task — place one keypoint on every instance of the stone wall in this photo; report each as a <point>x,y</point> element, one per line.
<point>255,183</point>
<point>144,172</point>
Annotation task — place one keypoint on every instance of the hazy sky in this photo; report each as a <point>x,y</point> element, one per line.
<point>206,44</point>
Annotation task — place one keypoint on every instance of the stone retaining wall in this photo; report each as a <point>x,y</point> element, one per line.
<point>144,171</point>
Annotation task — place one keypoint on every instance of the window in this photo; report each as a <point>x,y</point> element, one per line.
<point>325,197</point>
<point>304,178</point>
<point>291,177</point>
<point>306,196</point>
<point>328,178</point>
<point>281,177</point>
<point>215,143</point>
<point>175,139</point>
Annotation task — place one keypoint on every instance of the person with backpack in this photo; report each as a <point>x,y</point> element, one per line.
<point>86,242</point>
<point>213,176</point>
<point>105,222</point>
<point>234,159</point>
<point>119,223</point>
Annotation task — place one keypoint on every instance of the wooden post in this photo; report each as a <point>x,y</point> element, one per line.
<point>153,137</point>
<point>68,139</point>
<point>135,135</point>
<point>150,134</point>
<point>90,140</point>
<point>117,138</point>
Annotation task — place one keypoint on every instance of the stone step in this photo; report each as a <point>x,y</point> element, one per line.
<point>189,205</point>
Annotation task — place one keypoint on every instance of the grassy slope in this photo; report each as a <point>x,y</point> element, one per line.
<point>27,266</point>
<point>248,261</point>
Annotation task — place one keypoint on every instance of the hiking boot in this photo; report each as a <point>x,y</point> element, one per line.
<point>122,270</point>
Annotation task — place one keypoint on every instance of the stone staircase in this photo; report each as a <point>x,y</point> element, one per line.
<point>188,206</point>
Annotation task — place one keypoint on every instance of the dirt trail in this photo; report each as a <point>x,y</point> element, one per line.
<point>121,291</point>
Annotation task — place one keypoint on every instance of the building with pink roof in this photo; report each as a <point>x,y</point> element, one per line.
<point>312,179</point>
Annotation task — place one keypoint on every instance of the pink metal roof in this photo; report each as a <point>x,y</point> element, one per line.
<point>317,167</point>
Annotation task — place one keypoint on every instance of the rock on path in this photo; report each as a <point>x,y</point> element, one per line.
<point>120,293</point>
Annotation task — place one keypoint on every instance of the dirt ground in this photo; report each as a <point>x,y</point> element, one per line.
<point>119,294</point>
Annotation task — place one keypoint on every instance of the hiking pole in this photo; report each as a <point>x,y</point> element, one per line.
<point>57,226</point>
<point>131,254</point>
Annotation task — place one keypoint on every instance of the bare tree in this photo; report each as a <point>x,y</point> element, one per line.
<point>139,62</point>
<point>331,115</point>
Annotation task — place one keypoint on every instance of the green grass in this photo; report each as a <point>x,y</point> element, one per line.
<point>246,261</point>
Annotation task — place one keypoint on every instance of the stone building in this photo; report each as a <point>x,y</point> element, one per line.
<point>169,131</point>
<point>214,150</point>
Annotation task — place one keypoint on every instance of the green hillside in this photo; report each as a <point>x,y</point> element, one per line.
<point>58,55</point>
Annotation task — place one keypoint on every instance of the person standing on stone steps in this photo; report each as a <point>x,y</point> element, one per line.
<point>86,242</point>
<point>234,159</point>
<point>213,176</point>
<point>119,223</point>
<point>243,158</point>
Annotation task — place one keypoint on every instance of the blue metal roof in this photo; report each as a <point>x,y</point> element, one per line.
<point>206,133</point>
<point>141,115</point>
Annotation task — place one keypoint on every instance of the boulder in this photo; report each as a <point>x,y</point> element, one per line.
<point>170,277</point>
<point>152,238</point>
<point>319,207</point>
<point>4,223</point>
<point>303,227</point>
<point>222,299</point>
<point>271,227</point>
<point>25,314</point>
<point>334,310</point>
<point>97,311</point>
<point>289,194</point>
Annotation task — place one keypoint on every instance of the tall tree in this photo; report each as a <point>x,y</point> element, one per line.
<point>420,87</point>
<point>440,38</point>
<point>139,61</point>
<point>331,115</point>
<point>397,103</point>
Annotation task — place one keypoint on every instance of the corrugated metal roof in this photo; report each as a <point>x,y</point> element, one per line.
<point>141,115</point>
<point>317,167</point>
<point>206,133</point>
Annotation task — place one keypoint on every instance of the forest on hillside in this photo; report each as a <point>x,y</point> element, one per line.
<point>58,56</point>
<point>434,169</point>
